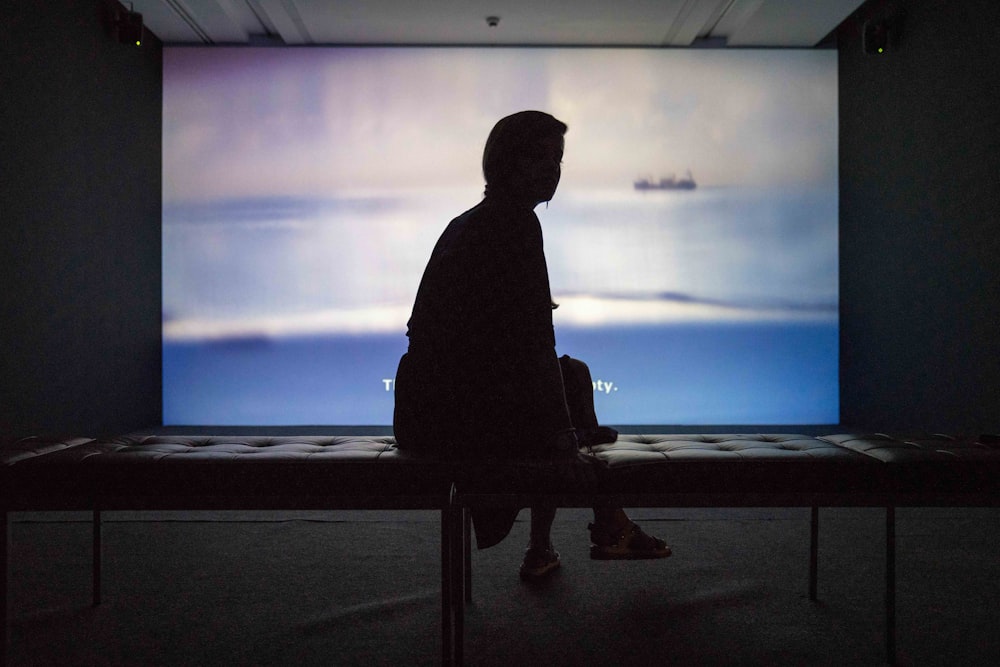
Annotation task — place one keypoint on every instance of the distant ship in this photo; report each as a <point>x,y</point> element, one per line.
<point>669,183</point>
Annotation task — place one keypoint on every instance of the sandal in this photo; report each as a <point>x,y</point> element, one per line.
<point>628,543</point>
<point>539,562</point>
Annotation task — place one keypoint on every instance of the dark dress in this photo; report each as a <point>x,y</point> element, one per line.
<point>481,378</point>
<point>481,374</point>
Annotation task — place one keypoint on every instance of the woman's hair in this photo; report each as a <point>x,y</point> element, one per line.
<point>513,136</point>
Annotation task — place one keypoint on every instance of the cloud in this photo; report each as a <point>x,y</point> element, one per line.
<point>309,121</point>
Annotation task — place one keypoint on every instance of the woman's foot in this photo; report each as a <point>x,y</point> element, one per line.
<point>626,542</point>
<point>539,562</point>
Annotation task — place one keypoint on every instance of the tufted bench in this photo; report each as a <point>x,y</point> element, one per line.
<point>692,470</point>
<point>927,470</point>
<point>933,469</point>
<point>238,472</point>
<point>138,472</point>
<point>14,451</point>
<point>763,470</point>
<point>225,473</point>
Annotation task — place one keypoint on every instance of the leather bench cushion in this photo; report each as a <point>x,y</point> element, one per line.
<point>723,464</point>
<point>258,466</point>
<point>931,463</point>
<point>14,450</point>
<point>243,466</point>
<point>737,463</point>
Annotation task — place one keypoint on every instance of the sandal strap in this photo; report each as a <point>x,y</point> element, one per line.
<point>631,535</point>
<point>638,539</point>
<point>609,537</point>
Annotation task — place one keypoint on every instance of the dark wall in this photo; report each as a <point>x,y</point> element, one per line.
<point>920,221</point>
<point>79,222</point>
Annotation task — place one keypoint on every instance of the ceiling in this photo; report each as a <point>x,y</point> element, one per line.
<point>647,23</point>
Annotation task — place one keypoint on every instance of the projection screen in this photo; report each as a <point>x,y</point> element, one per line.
<point>692,244</point>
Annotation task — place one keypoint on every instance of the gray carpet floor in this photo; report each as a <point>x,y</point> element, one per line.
<point>363,588</point>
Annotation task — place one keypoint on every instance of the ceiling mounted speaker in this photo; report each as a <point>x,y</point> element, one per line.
<point>129,26</point>
<point>876,37</point>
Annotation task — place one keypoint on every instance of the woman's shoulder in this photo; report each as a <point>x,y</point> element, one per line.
<point>504,219</point>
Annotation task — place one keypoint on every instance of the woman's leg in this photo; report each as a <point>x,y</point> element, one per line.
<point>611,518</point>
<point>616,537</point>
<point>541,526</point>
<point>540,559</point>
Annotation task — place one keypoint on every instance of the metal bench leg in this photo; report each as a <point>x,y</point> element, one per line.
<point>467,549</point>
<point>4,558</point>
<point>458,581</point>
<point>813,552</point>
<point>447,619</point>
<point>96,560</point>
<point>890,584</point>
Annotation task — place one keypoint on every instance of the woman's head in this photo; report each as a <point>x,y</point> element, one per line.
<point>522,156</point>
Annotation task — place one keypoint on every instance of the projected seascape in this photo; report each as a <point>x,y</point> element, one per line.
<point>304,190</point>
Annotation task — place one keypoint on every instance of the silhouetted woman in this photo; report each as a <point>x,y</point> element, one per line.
<point>481,378</point>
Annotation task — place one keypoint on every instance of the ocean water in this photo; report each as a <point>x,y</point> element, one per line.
<point>717,306</point>
<point>772,373</point>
